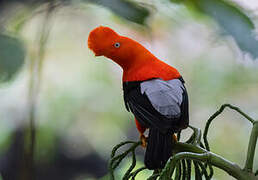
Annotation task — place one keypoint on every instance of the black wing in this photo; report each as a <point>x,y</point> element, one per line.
<point>157,103</point>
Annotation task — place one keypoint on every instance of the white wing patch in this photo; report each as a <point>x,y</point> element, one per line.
<point>165,96</point>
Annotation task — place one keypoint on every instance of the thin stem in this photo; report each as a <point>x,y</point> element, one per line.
<point>241,112</point>
<point>197,134</point>
<point>204,171</point>
<point>118,146</point>
<point>184,169</point>
<point>189,169</point>
<point>116,160</point>
<point>178,172</point>
<point>211,171</point>
<point>218,113</point>
<point>191,139</point>
<point>184,147</point>
<point>216,160</point>
<point>34,87</point>
<point>154,175</point>
<point>251,148</point>
<point>136,172</point>
<point>198,175</point>
<point>127,174</point>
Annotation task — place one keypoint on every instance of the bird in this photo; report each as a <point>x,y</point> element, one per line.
<point>153,91</point>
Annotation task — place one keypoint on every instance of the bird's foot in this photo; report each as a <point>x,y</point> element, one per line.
<point>143,140</point>
<point>174,138</point>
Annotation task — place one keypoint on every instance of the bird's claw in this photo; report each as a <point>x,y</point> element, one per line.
<point>143,140</point>
<point>174,138</point>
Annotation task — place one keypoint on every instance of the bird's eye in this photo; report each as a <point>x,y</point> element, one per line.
<point>117,45</point>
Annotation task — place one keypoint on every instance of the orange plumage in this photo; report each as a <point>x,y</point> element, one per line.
<point>137,62</point>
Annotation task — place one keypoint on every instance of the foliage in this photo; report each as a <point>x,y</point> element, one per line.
<point>127,9</point>
<point>230,18</point>
<point>12,51</point>
<point>232,21</point>
<point>12,54</point>
<point>192,156</point>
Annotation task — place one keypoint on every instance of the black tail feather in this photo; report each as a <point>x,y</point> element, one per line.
<point>159,149</point>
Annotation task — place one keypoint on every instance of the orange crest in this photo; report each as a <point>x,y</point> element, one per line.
<point>100,38</point>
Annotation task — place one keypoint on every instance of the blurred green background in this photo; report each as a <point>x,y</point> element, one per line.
<point>50,81</point>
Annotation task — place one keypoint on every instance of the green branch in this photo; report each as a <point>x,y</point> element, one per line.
<point>192,152</point>
<point>221,109</point>
<point>252,140</point>
<point>197,134</point>
<point>188,151</point>
<point>36,69</point>
<point>116,160</point>
<point>136,172</point>
<point>251,148</point>
<point>214,159</point>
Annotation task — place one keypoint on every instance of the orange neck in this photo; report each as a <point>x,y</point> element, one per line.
<point>150,67</point>
<point>139,64</point>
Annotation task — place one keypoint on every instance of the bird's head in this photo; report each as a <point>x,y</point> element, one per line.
<point>104,41</point>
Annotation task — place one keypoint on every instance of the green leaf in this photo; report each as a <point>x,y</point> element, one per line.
<point>126,9</point>
<point>233,22</point>
<point>12,55</point>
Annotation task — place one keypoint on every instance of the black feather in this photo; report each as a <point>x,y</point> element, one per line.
<point>159,149</point>
<point>161,128</point>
